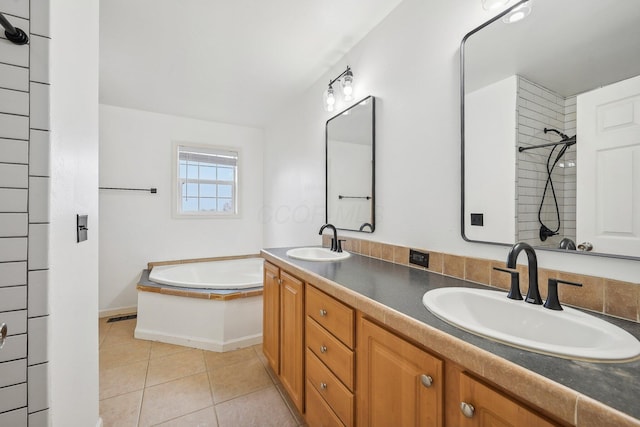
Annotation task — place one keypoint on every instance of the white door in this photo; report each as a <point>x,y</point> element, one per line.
<point>608,168</point>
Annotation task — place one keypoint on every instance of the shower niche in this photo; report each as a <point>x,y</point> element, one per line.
<point>551,129</point>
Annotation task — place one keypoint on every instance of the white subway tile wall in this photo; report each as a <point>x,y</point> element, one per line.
<point>38,246</point>
<point>14,151</point>
<point>24,215</point>
<point>13,200</point>
<point>13,224</point>
<point>13,274</point>
<point>539,108</point>
<point>12,77</point>
<point>12,373</point>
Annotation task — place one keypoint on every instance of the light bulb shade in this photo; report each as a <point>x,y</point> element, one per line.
<point>347,86</point>
<point>329,99</point>
<point>493,4</point>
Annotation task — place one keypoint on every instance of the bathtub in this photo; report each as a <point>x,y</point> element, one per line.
<point>214,304</point>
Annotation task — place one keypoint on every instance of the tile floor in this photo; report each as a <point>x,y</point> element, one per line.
<point>145,383</point>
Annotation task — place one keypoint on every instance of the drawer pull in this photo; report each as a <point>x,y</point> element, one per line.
<point>323,349</point>
<point>323,312</point>
<point>426,380</point>
<point>323,386</point>
<point>467,409</point>
<point>3,334</point>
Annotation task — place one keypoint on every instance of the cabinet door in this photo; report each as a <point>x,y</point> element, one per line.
<point>393,381</point>
<point>292,338</point>
<point>490,408</point>
<point>271,316</point>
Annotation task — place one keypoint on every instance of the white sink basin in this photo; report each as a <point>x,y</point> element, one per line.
<point>317,254</point>
<point>569,333</point>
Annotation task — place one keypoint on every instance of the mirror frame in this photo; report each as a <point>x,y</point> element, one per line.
<point>373,164</point>
<point>462,154</point>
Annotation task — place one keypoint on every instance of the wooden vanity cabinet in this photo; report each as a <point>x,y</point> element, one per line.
<point>398,384</point>
<point>330,358</point>
<point>472,403</point>
<point>271,316</point>
<point>342,369</point>
<point>283,329</point>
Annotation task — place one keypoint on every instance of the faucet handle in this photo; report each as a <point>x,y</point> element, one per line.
<point>552,301</point>
<point>339,246</point>
<point>514,290</point>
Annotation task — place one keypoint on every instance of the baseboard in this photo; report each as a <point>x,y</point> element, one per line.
<point>118,311</point>
<point>200,343</point>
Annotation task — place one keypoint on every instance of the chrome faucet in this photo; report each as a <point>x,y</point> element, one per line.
<point>335,243</point>
<point>533,294</point>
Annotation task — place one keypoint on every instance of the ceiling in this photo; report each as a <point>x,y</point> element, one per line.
<point>231,61</point>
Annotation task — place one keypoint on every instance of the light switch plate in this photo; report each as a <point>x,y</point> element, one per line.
<point>82,222</point>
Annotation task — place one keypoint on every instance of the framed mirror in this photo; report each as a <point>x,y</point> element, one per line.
<point>350,167</point>
<point>550,109</point>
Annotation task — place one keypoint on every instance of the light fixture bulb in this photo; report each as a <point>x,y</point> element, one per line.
<point>493,4</point>
<point>347,85</point>
<point>518,14</point>
<point>329,99</point>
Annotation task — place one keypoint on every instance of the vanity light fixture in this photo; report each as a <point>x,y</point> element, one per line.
<point>346,82</point>
<point>518,13</point>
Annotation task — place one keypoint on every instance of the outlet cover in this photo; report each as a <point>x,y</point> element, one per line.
<point>419,258</point>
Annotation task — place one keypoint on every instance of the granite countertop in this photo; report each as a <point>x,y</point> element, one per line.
<point>384,290</point>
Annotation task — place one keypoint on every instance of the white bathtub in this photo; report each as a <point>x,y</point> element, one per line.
<point>227,274</point>
<point>213,305</point>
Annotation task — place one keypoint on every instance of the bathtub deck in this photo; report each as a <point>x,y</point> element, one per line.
<point>145,285</point>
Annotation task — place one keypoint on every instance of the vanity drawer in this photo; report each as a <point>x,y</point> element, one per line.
<point>318,413</point>
<point>339,398</point>
<point>335,355</point>
<point>333,315</point>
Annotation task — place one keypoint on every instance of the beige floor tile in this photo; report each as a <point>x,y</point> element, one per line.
<point>124,354</point>
<point>204,418</point>
<point>160,349</point>
<point>265,363</point>
<point>290,405</point>
<point>217,360</point>
<point>237,380</point>
<point>174,399</point>
<point>121,411</point>
<point>172,367</point>
<point>122,379</point>
<point>263,408</point>
<point>118,336</point>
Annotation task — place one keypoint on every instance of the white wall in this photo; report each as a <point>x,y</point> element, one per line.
<point>136,227</point>
<point>490,168</point>
<point>410,62</point>
<point>73,289</point>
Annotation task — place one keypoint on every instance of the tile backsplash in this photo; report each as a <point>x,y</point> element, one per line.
<point>24,216</point>
<point>598,294</point>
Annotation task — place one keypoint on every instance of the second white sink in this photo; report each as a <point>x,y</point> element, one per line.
<point>569,333</point>
<point>317,254</point>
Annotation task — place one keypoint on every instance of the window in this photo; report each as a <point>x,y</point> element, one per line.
<point>207,181</point>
